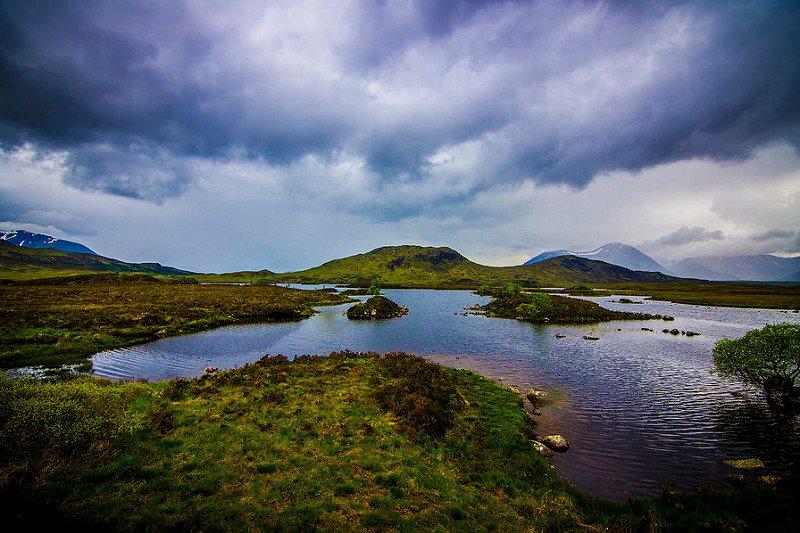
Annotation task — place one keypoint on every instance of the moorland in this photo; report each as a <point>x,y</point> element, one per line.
<point>347,441</point>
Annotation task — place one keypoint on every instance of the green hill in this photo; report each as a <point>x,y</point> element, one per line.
<point>422,266</point>
<point>20,262</point>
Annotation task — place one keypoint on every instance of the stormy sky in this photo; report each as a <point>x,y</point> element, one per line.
<point>240,135</point>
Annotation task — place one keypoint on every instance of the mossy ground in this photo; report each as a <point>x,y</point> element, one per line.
<point>312,444</point>
<point>65,320</point>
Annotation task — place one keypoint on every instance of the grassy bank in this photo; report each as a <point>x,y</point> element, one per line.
<point>340,442</point>
<point>64,320</point>
<point>544,308</point>
<point>727,294</point>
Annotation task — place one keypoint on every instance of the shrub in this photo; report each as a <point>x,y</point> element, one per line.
<point>767,357</point>
<point>421,394</point>
<point>539,307</point>
<point>44,426</point>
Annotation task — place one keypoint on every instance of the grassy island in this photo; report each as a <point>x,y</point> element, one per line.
<point>376,308</point>
<point>340,442</point>
<point>64,320</point>
<point>544,308</point>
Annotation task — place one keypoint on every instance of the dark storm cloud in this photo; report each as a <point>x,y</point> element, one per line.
<point>687,235</point>
<point>772,234</point>
<point>478,93</point>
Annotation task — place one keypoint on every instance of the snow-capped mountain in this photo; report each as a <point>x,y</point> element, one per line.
<point>27,239</point>
<point>616,253</point>
<point>742,267</point>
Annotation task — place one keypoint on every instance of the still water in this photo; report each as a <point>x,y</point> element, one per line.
<point>641,409</point>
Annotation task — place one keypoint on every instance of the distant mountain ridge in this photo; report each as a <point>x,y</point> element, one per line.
<point>443,267</point>
<point>616,253</point>
<point>15,258</point>
<point>21,237</point>
<point>740,268</point>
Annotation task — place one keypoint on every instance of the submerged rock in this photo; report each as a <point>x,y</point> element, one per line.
<point>745,464</point>
<point>376,308</point>
<point>557,443</point>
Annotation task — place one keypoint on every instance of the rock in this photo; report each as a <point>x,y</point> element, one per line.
<point>211,370</point>
<point>557,443</point>
<point>668,318</point>
<point>590,338</point>
<point>535,396</point>
<point>674,332</point>
<point>560,335</point>
<point>664,331</point>
<point>691,333</point>
<point>647,329</point>
<point>745,464</point>
<point>542,449</point>
<point>769,480</point>
<point>735,479</point>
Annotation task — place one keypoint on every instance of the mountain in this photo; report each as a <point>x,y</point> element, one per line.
<point>431,267</point>
<point>740,268</point>
<point>616,253</point>
<point>15,259</point>
<point>27,239</point>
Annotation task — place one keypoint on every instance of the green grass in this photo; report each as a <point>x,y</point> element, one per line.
<point>312,444</point>
<point>65,320</point>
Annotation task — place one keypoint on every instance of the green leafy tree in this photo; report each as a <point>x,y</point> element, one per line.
<point>375,288</point>
<point>768,358</point>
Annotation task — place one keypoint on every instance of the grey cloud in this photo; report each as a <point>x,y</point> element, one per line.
<point>687,235</point>
<point>135,171</point>
<point>772,234</point>
<point>555,92</point>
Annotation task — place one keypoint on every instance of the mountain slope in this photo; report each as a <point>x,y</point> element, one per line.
<point>616,253</point>
<point>14,259</point>
<point>740,268</point>
<point>27,239</point>
<point>419,266</point>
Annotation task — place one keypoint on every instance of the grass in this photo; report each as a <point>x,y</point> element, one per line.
<point>554,309</point>
<point>726,294</point>
<point>320,443</point>
<point>64,320</point>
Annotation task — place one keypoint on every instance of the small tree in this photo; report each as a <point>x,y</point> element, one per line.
<point>768,358</point>
<point>375,288</point>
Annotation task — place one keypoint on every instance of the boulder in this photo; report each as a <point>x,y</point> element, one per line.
<point>674,332</point>
<point>535,396</point>
<point>557,443</point>
<point>211,370</point>
<point>542,449</point>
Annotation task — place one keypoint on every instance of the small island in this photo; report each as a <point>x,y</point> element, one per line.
<point>376,308</point>
<point>543,308</point>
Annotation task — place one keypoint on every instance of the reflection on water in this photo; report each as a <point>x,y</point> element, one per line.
<point>641,408</point>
